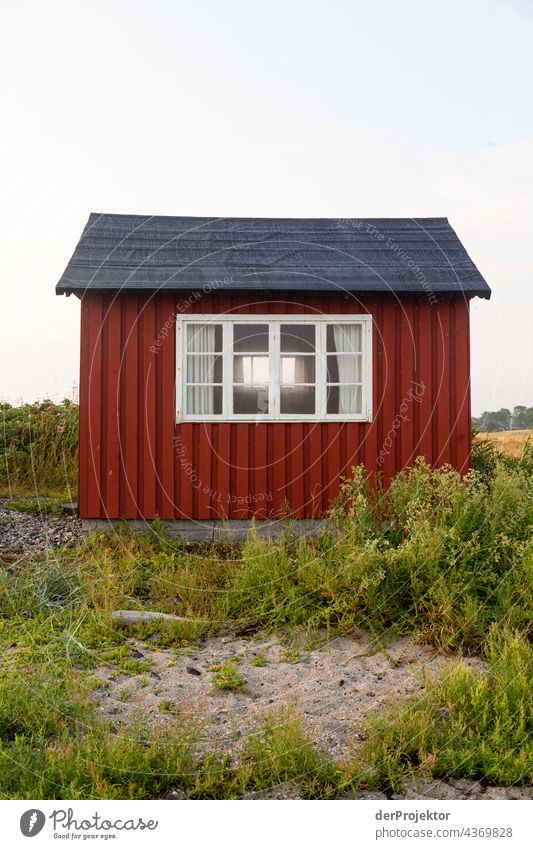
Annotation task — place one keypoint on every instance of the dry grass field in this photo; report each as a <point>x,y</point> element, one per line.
<point>511,442</point>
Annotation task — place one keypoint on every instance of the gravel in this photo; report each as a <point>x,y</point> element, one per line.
<point>21,532</point>
<point>460,788</point>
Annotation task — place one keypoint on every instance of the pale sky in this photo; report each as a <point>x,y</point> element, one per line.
<point>285,108</point>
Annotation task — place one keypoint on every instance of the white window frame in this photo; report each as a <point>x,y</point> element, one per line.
<point>274,320</point>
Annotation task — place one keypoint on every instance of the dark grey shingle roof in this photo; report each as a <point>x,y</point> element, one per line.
<point>402,255</point>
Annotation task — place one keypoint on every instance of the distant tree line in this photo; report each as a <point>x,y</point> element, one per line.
<point>520,418</point>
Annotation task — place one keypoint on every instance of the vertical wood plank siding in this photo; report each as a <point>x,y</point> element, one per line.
<point>135,462</point>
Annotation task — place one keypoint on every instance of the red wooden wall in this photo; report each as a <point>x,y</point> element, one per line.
<point>135,462</point>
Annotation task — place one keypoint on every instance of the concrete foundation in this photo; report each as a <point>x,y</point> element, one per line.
<point>215,530</point>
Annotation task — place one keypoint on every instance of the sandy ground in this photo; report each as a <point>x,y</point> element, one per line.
<point>332,686</point>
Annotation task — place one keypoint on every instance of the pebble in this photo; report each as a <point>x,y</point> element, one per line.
<point>176,794</point>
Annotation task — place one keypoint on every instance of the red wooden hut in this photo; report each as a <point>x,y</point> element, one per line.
<point>237,369</point>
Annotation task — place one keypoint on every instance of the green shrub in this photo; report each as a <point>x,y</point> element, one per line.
<point>485,456</point>
<point>437,555</point>
<point>39,447</point>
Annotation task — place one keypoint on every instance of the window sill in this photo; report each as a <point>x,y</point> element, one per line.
<point>285,420</point>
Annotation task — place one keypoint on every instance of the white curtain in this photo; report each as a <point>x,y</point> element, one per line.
<point>348,341</point>
<point>238,369</point>
<point>201,341</point>
<point>304,369</point>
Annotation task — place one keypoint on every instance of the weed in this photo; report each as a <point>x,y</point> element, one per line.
<point>469,724</point>
<point>34,704</point>
<point>290,655</point>
<point>168,706</point>
<point>259,660</point>
<point>484,456</point>
<point>226,677</point>
<point>281,751</point>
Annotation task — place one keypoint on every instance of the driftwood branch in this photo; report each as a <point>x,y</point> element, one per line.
<point>132,617</point>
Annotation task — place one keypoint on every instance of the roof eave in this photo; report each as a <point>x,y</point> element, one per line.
<point>483,292</point>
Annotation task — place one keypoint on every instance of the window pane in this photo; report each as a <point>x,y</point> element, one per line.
<point>204,338</point>
<point>252,371</point>
<point>250,400</point>
<point>249,338</point>
<point>204,368</point>
<point>298,400</point>
<point>297,370</point>
<point>204,400</point>
<point>344,337</point>
<point>297,338</point>
<point>346,368</point>
<point>344,399</point>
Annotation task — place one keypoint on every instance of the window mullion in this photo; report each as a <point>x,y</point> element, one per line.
<point>274,370</point>
<point>227,370</point>
<point>321,369</point>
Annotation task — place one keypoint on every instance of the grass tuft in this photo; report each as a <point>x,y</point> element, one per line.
<point>225,676</point>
